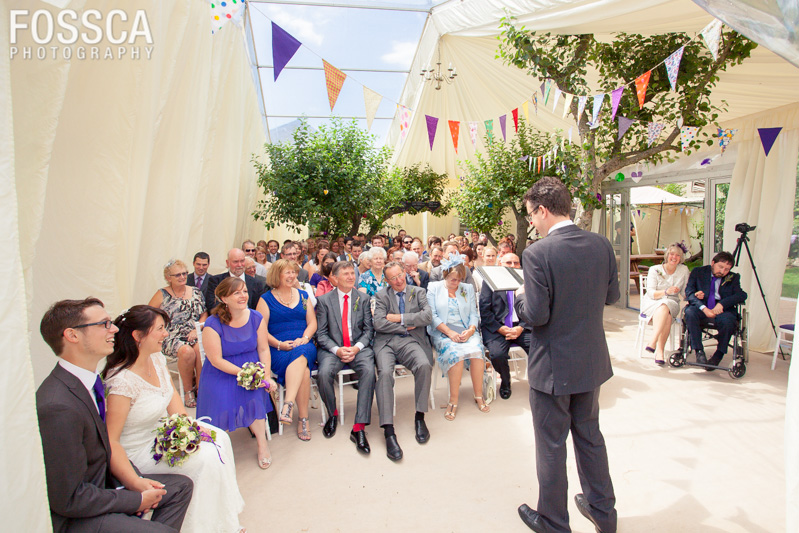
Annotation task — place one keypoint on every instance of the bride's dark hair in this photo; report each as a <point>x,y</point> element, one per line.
<point>138,318</point>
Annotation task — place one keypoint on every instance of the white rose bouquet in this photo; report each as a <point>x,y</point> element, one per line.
<point>177,438</point>
<point>253,376</point>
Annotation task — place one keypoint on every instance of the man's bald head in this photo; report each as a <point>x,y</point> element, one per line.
<point>510,260</point>
<point>235,261</point>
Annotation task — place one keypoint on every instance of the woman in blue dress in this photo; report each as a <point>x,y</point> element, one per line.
<point>235,335</point>
<point>291,324</point>
<point>454,331</point>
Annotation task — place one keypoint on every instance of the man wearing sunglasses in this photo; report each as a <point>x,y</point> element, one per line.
<point>70,404</point>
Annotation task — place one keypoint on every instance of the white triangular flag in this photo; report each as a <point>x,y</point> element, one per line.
<point>371,100</point>
<point>567,103</point>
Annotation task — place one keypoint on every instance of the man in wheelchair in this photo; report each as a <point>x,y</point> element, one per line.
<point>713,292</point>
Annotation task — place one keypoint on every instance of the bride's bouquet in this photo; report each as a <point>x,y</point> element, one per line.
<point>252,375</point>
<point>177,438</point>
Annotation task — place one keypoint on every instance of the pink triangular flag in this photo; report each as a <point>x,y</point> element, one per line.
<point>473,133</point>
<point>454,128</point>
<point>405,121</point>
<point>334,79</point>
<point>432,124</point>
<point>615,98</point>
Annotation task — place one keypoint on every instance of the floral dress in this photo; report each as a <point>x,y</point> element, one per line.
<point>368,281</point>
<point>183,314</point>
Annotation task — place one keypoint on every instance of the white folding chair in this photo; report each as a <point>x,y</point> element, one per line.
<point>281,391</point>
<point>515,354</point>
<point>643,323</point>
<point>408,373</point>
<point>783,341</point>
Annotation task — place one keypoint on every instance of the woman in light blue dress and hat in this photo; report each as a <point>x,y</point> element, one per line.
<point>455,331</point>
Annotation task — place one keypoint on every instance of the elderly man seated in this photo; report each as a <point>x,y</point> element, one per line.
<point>413,275</point>
<point>713,292</point>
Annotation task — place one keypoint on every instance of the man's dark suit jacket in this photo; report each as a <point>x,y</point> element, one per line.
<point>77,453</point>
<point>272,258</point>
<point>302,276</point>
<point>254,287</point>
<point>329,332</point>
<point>493,310</point>
<point>569,277</point>
<point>424,279</point>
<point>204,288</point>
<point>729,290</point>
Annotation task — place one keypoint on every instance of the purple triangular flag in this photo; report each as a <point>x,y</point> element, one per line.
<point>615,98</point>
<point>284,46</point>
<point>432,124</point>
<point>624,125</point>
<point>502,120</point>
<point>767,137</point>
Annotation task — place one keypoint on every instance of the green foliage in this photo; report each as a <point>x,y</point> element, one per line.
<point>566,59</point>
<point>333,179</point>
<point>497,181</point>
<point>673,188</point>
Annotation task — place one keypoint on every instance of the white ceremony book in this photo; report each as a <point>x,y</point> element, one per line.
<point>501,278</point>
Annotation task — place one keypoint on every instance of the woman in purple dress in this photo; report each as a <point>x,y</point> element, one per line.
<point>235,335</point>
<point>291,322</point>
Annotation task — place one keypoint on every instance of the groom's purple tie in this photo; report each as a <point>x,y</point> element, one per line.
<point>711,298</point>
<point>509,318</point>
<point>99,394</point>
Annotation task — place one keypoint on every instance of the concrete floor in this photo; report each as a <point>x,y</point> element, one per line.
<point>689,450</point>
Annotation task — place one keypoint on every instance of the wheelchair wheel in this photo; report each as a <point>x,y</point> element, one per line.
<point>738,369</point>
<point>677,359</point>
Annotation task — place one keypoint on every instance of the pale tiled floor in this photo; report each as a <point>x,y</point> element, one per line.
<point>689,451</point>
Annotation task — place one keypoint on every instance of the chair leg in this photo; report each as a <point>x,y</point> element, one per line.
<point>340,397</point>
<point>280,393</point>
<point>268,429</point>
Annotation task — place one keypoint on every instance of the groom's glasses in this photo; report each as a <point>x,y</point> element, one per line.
<point>105,323</point>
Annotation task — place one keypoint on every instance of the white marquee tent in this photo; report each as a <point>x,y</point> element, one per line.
<point>108,166</point>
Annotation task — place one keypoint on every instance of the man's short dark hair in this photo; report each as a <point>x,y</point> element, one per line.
<point>724,257</point>
<point>288,245</point>
<point>338,266</point>
<point>270,241</point>
<point>349,239</point>
<point>551,193</point>
<point>201,255</point>
<point>62,315</point>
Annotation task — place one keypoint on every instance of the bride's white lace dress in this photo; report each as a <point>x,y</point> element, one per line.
<point>216,502</point>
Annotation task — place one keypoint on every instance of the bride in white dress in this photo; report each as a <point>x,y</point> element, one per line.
<point>139,393</point>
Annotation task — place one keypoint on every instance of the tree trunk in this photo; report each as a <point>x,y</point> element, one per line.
<point>356,225</point>
<point>521,233</point>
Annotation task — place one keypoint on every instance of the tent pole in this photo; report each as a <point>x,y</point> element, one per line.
<point>660,221</point>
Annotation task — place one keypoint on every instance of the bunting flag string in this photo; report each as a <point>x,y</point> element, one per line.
<point>581,103</point>
<point>432,125</point>
<point>526,109</point>
<point>371,101</point>
<point>687,134</point>
<point>555,100</point>
<point>473,133</point>
<point>767,137</point>
<point>615,99</point>
<point>224,12</point>
<point>515,114</point>
<point>653,131</point>
<point>712,35</point>
<point>673,67</point>
<point>535,102</point>
<point>490,130</point>
<point>641,83</point>
<point>624,125</point>
<point>454,128</point>
<point>548,87</point>
<point>725,137</point>
<point>567,104</point>
<point>405,121</point>
<point>284,46</point>
<point>597,107</point>
<point>334,79</point>
<point>502,120</point>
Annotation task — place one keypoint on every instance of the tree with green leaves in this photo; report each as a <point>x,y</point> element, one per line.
<point>496,182</point>
<point>333,179</point>
<point>566,59</point>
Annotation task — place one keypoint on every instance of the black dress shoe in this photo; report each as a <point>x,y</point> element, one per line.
<point>330,426</point>
<point>700,358</point>
<point>504,391</point>
<point>359,438</point>
<point>422,434</point>
<point>585,509</point>
<point>715,361</point>
<point>532,519</point>
<point>393,450</point>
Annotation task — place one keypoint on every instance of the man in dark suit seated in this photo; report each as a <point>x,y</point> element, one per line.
<point>713,292</point>
<point>413,275</point>
<point>502,326</point>
<point>235,265</point>
<point>344,334</point>
<point>200,277</point>
<point>77,454</point>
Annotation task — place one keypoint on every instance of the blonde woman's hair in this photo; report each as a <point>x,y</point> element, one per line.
<point>170,264</point>
<point>274,273</point>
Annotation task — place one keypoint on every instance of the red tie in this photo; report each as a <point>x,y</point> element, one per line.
<point>344,318</point>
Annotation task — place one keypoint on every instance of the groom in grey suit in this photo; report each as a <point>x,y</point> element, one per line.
<point>400,318</point>
<point>569,277</point>
<point>344,334</point>
<point>70,404</point>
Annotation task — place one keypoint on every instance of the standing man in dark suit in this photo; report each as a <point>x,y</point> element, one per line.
<point>200,277</point>
<point>77,454</point>
<point>344,334</point>
<point>400,318</point>
<point>713,292</point>
<point>272,248</point>
<point>569,277</point>
<point>235,265</point>
<point>414,276</point>
<point>502,326</point>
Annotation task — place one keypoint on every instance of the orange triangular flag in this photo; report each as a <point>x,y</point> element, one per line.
<point>334,79</point>
<point>454,128</point>
<point>641,83</point>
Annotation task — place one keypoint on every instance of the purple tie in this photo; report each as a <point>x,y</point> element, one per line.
<point>99,394</point>
<point>711,298</point>
<point>200,282</point>
<point>509,318</point>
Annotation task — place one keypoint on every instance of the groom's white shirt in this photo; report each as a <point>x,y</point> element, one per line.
<point>85,376</point>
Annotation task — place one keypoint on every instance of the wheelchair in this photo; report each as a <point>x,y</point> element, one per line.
<point>740,345</point>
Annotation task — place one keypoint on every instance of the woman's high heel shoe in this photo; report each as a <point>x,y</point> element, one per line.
<point>481,404</point>
<point>286,415</point>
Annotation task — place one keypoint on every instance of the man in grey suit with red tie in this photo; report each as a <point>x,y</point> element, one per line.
<point>70,404</point>
<point>569,277</point>
<point>344,334</point>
